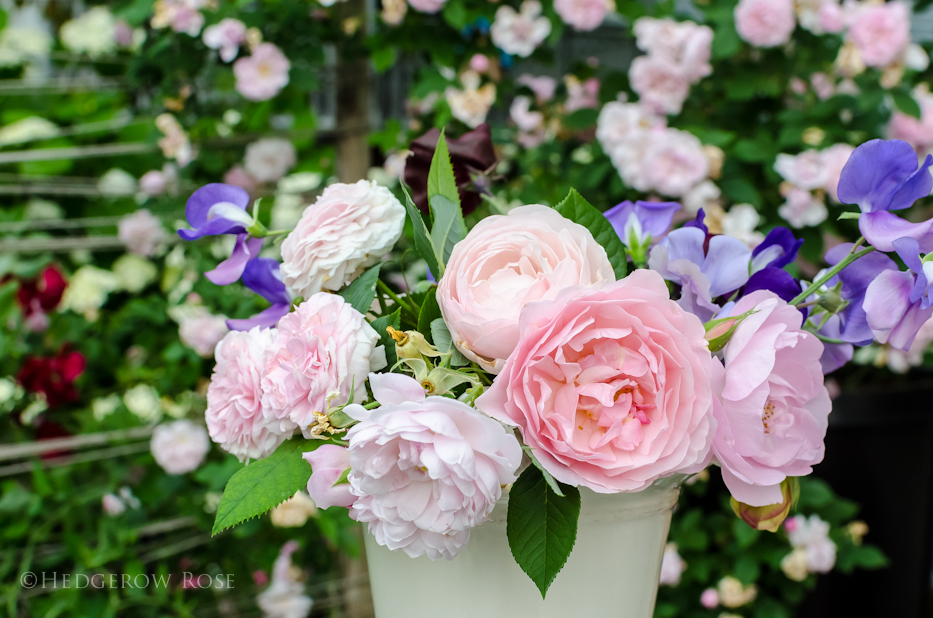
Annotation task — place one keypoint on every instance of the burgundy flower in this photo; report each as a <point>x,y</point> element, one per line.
<point>471,153</point>
<point>42,293</point>
<point>54,377</point>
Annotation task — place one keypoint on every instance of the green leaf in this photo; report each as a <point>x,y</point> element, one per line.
<point>430,311</point>
<point>581,119</point>
<point>905,102</point>
<point>361,293</point>
<point>448,228</point>
<point>870,557</point>
<point>726,42</point>
<point>541,526</point>
<point>381,325</point>
<point>444,342</point>
<point>441,179</point>
<point>577,209</point>
<point>423,244</point>
<point>740,190</point>
<point>553,484</point>
<point>264,484</point>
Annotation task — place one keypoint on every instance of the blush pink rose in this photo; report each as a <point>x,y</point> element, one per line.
<point>804,171</point>
<point>661,85</point>
<point>619,121</point>
<point>234,397</point>
<point>506,262</point>
<point>583,14</point>
<point>881,32</point>
<point>262,75</point>
<point>772,407</point>
<point>610,387</point>
<point>179,447</point>
<point>319,351</point>
<point>834,159</point>
<point>142,232</point>
<point>425,470</point>
<point>427,6</point>
<point>673,163</point>
<point>765,23</point>
<point>328,463</point>
<point>683,43</point>
<point>832,17</point>
<point>918,132</point>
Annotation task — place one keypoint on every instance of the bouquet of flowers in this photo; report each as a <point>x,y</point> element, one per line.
<point>559,347</point>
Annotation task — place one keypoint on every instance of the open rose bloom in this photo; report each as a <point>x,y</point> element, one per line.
<point>561,347</point>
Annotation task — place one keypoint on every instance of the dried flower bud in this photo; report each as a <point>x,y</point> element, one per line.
<point>769,517</point>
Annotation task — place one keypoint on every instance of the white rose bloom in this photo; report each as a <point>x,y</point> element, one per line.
<point>269,159</point>
<point>179,446</point>
<point>142,233</point>
<point>519,33</point>
<point>201,330</point>
<point>105,406</point>
<point>26,36</point>
<point>294,512</point>
<point>7,389</point>
<point>91,33</point>
<point>134,273</point>
<point>700,196</point>
<point>740,222</point>
<point>285,598</point>
<point>26,130</point>
<point>471,104</point>
<point>732,593</point>
<point>143,401</point>
<point>794,565</point>
<point>116,183</point>
<point>112,505</point>
<point>349,228</point>
<point>87,291</point>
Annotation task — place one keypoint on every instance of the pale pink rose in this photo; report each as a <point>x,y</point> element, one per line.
<point>238,176</point>
<point>798,86</point>
<point>831,17</point>
<point>187,19</point>
<point>519,33</point>
<point>328,463</point>
<point>285,597</point>
<point>918,132</point>
<point>234,397</point>
<point>425,470</point>
<point>581,95</point>
<point>141,233</point>
<point>672,566</point>
<point>583,14</point>
<point>112,505</point>
<point>262,75</point>
<point>805,170</point>
<point>542,85</point>
<point>618,121</point>
<point>479,63</point>
<point>823,85</point>
<point>881,32</point>
<point>506,262</point>
<point>123,34</point>
<point>269,158</point>
<point>152,183</point>
<point>180,446</point>
<point>674,162</point>
<point>427,6</point>
<point>772,407</point>
<point>348,229</point>
<point>320,351</point>
<point>201,330</point>
<point>628,157</point>
<point>521,114</point>
<point>710,598</point>
<point>610,387</point>
<point>802,209</point>
<point>226,36</point>
<point>765,23</point>
<point>661,84</point>
<point>685,44</point>
<point>834,159</point>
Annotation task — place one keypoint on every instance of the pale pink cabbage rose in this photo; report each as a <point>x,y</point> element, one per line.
<point>268,159</point>
<point>805,170</point>
<point>673,163</point>
<point>772,407</point>
<point>141,233</point>
<point>425,470</point>
<point>685,44</point>
<point>427,6</point>
<point>918,132</point>
<point>320,350</point>
<point>610,387</point>
<point>881,32</point>
<point>583,14</point>
<point>328,463</point>
<point>180,446</point>
<point>834,159</point>
<point>661,85</point>
<point>506,262</point>
<point>262,75</point>
<point>234,397</point>
<point>765,23</point>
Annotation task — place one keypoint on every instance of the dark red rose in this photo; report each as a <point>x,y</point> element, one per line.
<point>54,377</point>
<point>471,153</point>
<point>42,293</point>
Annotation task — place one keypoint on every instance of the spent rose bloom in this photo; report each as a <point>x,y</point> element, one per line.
<point>234,397</point>
<point>425,470</point>
<point>506,262</point>
<point>142,233</point>
<point>348,229</point>
<point>519,32</point>
<point>772,408</point>
<point>269,159</point>
<point>661,85</point>
<point>765,23</point>
<point>881,32</point>
<point>180,446</point>
<point>201,330</point>
<point>610,387</point>
<point>320,351</point>
<point>262,75</point>
<point>805,170</point>
<point>328,463</point>
<point>583,15</point>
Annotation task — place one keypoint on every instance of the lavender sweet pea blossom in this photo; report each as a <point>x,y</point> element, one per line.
<point>216,209</point>
<point>855,279</point>
<point>642,222</point>
<point>898,303</point>
<point>262,276</point>
<point>881,176</point>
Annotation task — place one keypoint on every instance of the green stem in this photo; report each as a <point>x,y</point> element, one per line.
<point>371,405</point>
<point>388,291</point>
<point>826,339</point>
<point>829,274</point>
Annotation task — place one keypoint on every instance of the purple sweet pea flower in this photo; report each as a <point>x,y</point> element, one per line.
<point>775,279</point>
<point>641,222</point>
<point>855,279</point>
<point>777,250</point>
<point>881,176</point>
<point>262,276</point>
<point>835,355</point>
<point>898,303</point>
<point>698,222</point>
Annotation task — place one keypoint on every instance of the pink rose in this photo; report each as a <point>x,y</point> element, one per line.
<point>112,505</point>
<point>772,408</point>
<point>521,114</point>
<point>320,350</point>
<point>686,44</point>
<point>425,470</point>
<point>918,132</point>
<point>506,262</point>
<point>234,397</point>
<point>673,163</point>
<point>179,447</point>
<point>583,14</point>
<point>141,233</point>
<point>262,75</point>
<point>619,121</point>
<point>672,566</point>
<point>832,18</point>
<point>765,23</point>
<point>268,159</point>
<point>805,170</point>
<point>710,598</point>
<point>153,183</point>
<point>201,330</point>
<point>610,387</point>
<point>660,84</point>
<point>238,176</point>
<point>581,95</point>
<point>801,208</point>
<point>881,32</point>
<point>834,159</point>
<point>226,36</point>
<point>328,463</point>
<point>542,85</point>
<point>427,6</point>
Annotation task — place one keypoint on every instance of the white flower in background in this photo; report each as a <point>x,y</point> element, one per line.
<point>672,566</point>
<point>348,229</point>
<point>261,76</point>
<point>143,401</point>
<point>584,15</point>
<point>157,182</point>
<point>801,208</point>
<point>300,182</point>
<point>521,114</point>
<point>175,143</point>
<point>294,512</point>
<point>134,273</point>
<point>285,597</point>
<point>542,85</point>
<point>740,222</point>
<point>471,104</point>
<point>27,36</point>
<point>142,233</point>
<point>116,183</point>
<point>182,15</point>
<point>794,565</point>
<point>7,390</point>
<point>661,85</point>
<point>269,159</point>
<point>26,130</point>
<point>674,162</point>
<point>805,170</point>
<point>226,36</point>
<point>393,11</point>
<point>685,44</point>
<point>732,593</point>
<point>180,446</point>
<point>519,32</point>
<point>42,210</point>
<point>394,164</point>
<point>126,495</point>
<point>88,290</point>
<point>811,535</point>
<point>619,121</point>
<point>102,407</point>
<point>91,33</point>
<point>200,330</point>
<point>112,505</point>
<point>581,94</point>
<point>703,195</point>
